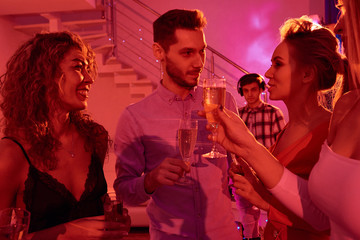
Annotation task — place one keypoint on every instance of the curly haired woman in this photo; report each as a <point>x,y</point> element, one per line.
<point>52,155</point>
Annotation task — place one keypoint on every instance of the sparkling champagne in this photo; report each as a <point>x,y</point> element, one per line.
<point>213,97</point>
<point>187,141</point>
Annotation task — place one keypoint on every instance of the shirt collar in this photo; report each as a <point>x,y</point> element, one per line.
<point>255,109</point>
<point>170,97</point>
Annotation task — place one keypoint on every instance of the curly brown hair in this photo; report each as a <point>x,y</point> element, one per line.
<point>30,91</point>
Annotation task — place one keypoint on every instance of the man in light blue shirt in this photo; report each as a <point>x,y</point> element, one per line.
<point>148,162</point>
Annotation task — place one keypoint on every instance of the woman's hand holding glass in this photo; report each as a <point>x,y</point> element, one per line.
<point>247,185</point>
<point>214,96</point>
<point>116,216</point>
<point>231,131</point>
<point>235,137</point>
<point>114,224</point>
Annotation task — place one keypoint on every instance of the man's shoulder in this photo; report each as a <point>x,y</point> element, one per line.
<point>140,109</point>
<point>270,106</point>
<point>145,102</point>
<point>242,108</point>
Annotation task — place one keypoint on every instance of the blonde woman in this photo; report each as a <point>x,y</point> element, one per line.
<point>330,198</point>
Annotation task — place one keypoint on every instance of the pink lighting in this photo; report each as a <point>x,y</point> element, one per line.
<point>246,32</point>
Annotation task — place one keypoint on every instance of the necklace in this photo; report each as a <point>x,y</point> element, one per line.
<point>71,151</point>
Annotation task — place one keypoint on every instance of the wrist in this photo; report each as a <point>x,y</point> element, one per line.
<point>248,150</point>
<point>266,206</point>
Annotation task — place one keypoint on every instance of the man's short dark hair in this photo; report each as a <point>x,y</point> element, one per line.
<point>248,79</point>
<point>165,26</point>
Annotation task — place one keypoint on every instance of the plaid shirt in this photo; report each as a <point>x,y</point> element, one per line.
<point>265,122</point>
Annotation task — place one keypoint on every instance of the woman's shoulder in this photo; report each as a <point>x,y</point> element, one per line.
<point>12,158</point>
<point>13,172</point>
<point>348,98</point>
<point>344,128</point>
<point>348,104</point>
<point>11,151</point>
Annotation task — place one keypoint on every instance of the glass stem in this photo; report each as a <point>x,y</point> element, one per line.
<point>187,162</point>
<point>213,148</point>
<point>214,132</point>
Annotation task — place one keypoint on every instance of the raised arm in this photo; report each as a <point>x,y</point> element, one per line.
<point>288,188</point>
<point>236,138</point>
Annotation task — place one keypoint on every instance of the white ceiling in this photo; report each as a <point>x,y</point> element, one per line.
<point>13,7</point>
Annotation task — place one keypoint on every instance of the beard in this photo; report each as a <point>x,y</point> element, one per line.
<point>177,75</point>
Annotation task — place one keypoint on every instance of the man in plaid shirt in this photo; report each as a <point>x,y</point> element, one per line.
<point>265,121</point>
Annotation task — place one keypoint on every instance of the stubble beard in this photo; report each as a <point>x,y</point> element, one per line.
<point>177,76</point>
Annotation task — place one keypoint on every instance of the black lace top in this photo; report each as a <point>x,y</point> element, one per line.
<point>51,203</point>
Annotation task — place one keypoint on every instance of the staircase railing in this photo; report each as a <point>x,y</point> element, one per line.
<point>133,44</point>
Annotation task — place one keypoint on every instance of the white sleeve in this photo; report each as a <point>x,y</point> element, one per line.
<point>292,191</point>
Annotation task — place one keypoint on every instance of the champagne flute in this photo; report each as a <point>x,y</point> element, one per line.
<point>14,223</point>
<point>214,95</point>
<point>187,135</point>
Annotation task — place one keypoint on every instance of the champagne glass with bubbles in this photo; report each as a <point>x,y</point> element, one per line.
<point>187,135</point>
<point>214,96</point>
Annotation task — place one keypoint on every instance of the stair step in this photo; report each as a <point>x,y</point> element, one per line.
<point>114,68</point>
<point>111,60</point>
<point>142,82</point>
<point>125,77</point>
<point>103,49</point>
<point>85,23</point>
<point>38,27</point>
<point>93,37</point>
<point>141,88</point>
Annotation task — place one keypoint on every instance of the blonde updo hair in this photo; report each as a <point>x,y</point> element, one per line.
<point>315,46</point>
